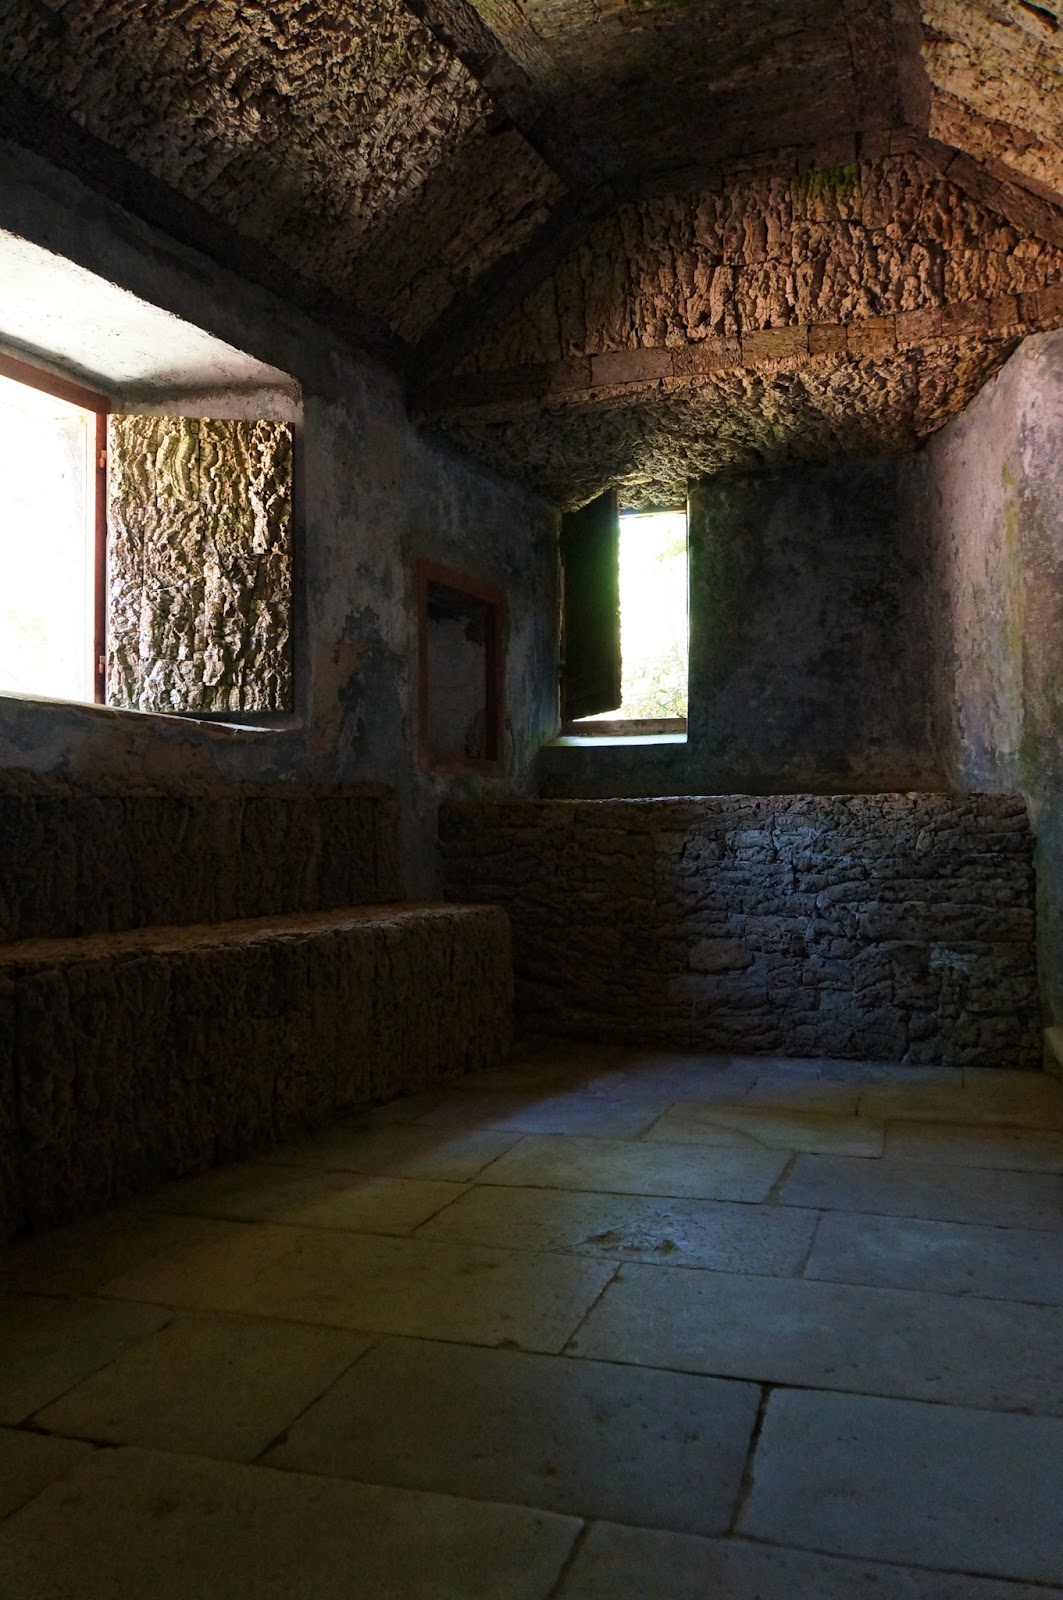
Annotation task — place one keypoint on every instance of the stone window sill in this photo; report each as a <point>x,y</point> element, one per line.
<point>610,741</point>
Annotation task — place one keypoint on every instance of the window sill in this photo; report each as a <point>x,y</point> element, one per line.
<point>278,722</point>
<point>610,741</point>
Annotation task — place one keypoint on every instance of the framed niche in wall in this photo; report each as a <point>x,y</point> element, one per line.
<point>460,671</point>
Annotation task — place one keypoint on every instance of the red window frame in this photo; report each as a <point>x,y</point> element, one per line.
<point>432,574</point>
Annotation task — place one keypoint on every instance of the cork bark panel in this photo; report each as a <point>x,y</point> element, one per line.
<point>146,1057</point>
<point>90,858</point>
<point>696,80</point>
<point>649,446</point>
<point>880,927</point>
<point>486,201</point>
<point>199,565</point>
<point>302,124</point>
<point>1003,66</point>
<point>875,239</point>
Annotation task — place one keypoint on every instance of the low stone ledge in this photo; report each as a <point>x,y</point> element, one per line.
<point>895,927</point>
<point>129,1058</point>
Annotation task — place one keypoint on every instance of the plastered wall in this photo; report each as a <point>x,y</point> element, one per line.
<point>995,481</point>
<point>811,660</point>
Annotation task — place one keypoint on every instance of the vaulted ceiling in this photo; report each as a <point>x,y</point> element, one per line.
<point>608,240</point>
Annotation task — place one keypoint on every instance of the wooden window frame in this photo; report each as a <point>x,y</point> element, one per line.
<point>76,394</point>
<point>433,574</point>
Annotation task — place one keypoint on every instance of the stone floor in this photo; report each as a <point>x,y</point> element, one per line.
<point>594,1326</point>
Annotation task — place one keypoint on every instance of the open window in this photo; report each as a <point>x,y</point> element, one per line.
<point>145,561</point>
<point>53,436</point>
<point>624,626</point>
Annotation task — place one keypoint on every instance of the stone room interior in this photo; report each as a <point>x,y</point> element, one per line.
<point>531,800</point>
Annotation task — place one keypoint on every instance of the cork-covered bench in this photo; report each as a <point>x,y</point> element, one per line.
<point>187,976</point>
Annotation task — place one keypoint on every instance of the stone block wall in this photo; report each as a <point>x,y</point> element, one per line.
<point>78,857</point>
<point>897,927</point>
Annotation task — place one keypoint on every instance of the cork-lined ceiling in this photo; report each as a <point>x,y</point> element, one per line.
<point>523,188</point>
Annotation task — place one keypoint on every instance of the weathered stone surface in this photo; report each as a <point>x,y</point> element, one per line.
<point>894,927</point>
<point>140,1055</point>
<point>78,857</point>
<point>199,587</point>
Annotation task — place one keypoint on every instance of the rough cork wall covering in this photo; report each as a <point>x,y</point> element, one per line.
<point>886,927</point>
<point>302,124</point>
<point>199,564</point>
<point>875,239</point>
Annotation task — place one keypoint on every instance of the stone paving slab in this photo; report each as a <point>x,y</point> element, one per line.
<point>420,1287</point>
<point>621,1563</point>
<point>140,1526</point>
<point>692,1233</point>
<point>207,1386</point>
<point>256,1192</point>
<point>653,1448</point>
<point>1015,1099</point>
<point>203,1263</point>
<point>669,1078</point>
<point>707,1172</point>
<point>824,1097</point>
<point>83,1256</point>
<point>29,1462</point>
<point>862,1073</point>
<point>46,1346</point>
<point>566,1112</point>
<point>919,1189</point>
<point>893,1480</point>
<point>831,1335</point>
<point>954,1144</point>
<point>946,1257</point>
<point>698,1121</point>
<point>398,1150</point>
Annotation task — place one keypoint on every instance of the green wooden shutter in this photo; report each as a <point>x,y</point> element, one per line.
<point>590,565</point>
<point>199,564</point>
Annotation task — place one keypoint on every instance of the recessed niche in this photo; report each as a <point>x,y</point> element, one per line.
<point>459,634</point>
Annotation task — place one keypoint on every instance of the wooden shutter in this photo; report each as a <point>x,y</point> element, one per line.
<point>199,564</point>
<point>590,566</point>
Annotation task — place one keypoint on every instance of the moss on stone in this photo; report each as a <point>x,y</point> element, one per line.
<point>835,184</point>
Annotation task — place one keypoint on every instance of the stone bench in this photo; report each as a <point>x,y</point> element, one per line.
<point>129,1057</point>
<point>192,971</point>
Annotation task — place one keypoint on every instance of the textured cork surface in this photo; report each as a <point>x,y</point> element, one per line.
<point>131,1057</point>
<point>199,584</point>
<point>80,857</point>
<point>889,927</point>
<point>762,318</point>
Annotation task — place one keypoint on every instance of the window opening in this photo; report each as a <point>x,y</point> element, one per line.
<point>51,535</point>
<point>654,630</point>
<point>145,562</point>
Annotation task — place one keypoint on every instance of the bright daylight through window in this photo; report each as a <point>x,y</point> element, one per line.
<point>47,544</point>
<point>653,618</point>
